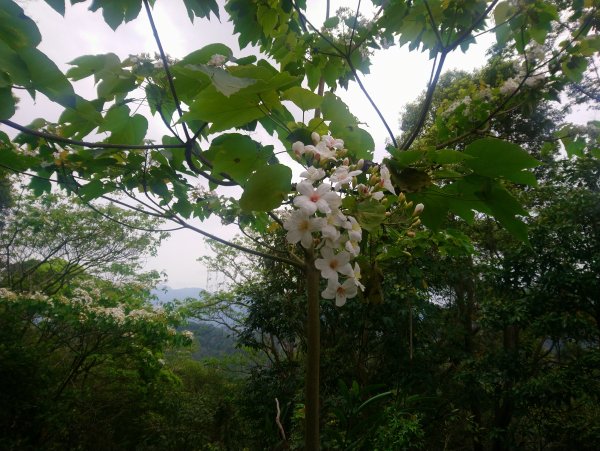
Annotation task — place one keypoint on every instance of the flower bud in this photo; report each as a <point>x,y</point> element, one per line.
<point>360,164</point>
<point>401,197</point>
<point>298,148</point>
<point>346,162</point>
<point>418,209</point>
<point>410,234</point>
<point>314,136</point>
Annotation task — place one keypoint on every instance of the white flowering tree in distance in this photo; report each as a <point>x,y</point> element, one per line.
<point>209,100</point>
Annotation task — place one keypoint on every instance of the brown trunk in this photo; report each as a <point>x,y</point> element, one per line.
<point>313,355</point>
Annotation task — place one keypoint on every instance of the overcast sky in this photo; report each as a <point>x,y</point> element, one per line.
<point>397,77</point>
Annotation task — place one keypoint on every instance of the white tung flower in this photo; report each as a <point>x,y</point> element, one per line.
<point>352,247</point>
<point>217,60</point>
<point>298,148</point>
<point>386,181</point>
<point>331,142</point>
<point>321,198</point>
<point>339,292</point>
<point>313,174</point>
<point>300,227</point>
<point>324,152</point>
<point>509,86</point>
<point>418,209</point>
<point>342,176</point>
<point>331,264</point>
<point>354,230</point>
<point>355,277</point>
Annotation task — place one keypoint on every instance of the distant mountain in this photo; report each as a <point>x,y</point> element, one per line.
<point>166,294</point>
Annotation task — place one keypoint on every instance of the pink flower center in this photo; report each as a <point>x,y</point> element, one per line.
<point>314,197</point>
<point>333,264</point>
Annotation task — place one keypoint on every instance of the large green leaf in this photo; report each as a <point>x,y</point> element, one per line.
<point>370,214</point>
<point>336,111</point>
<point>225,83</point>
<point>203,55</point>
<point>47,77</point>
<point>123,128</point>
<point>7,103</point>
<point>17,30</point>
<point>237,156</point>
<point>117,12</point>
<point>96,65</point>
<point>201,8</point>
<point>303,98</point>
<point>14,65</point>
<point>222,111</point>
<point>267,188</point>
<point>496,158</point>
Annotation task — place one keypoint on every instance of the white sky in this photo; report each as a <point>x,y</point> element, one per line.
<point>397,77</point>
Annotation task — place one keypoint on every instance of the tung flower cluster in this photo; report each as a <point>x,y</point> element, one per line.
<point>318,219</point>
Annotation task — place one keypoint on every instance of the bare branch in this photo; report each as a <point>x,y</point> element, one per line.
<point>163,57</point>
<point>92,145</point>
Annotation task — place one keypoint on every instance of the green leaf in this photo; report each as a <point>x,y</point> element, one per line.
<point>267,188</point>
<point>159,100</point>
<point>303,98</point>
<point>336,111</point>
<point>14,65</point>
<point>359,142</point>
<point>225,83</point>
<point>17,30</point>
<point>203,55</point>
<point>574,146</point>
<point>201,8</point>
<point>40,186</point>
<point>332,22</point>
<point>117,12</point>
<point>436,206</point>
<point>407,157</point>
<point>91,190</point>
<point>496,158</point>
<point>57,5</point>
<point>237,155</point>
<point>505,208</point>
<point>47,77</point>
<point>370,214</point>
<point>224,112</point>
<point>574,68</point>
<point>124,129</point>
<point>96,65</point>
<point>448,156</point>
<point>7,103</point>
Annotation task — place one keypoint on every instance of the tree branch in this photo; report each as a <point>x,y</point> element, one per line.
<point>163,57</point>
<point>426,104</point>
<point>92,145</point>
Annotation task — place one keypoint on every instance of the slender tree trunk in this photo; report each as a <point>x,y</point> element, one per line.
<point>313,355</point>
